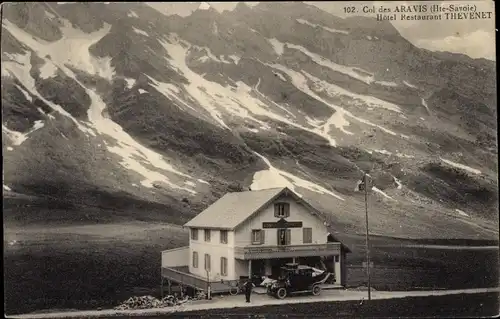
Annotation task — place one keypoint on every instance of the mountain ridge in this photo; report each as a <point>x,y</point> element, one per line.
<point>179,110</point>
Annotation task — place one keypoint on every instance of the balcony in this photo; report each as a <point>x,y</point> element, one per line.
<point>176,257</point>
<point>288,251</point>
<point>174,267</point>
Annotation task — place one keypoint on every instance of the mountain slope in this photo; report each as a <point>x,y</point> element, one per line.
<point>121,108</point>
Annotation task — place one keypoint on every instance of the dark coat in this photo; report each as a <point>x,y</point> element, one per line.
<point>248,286</point>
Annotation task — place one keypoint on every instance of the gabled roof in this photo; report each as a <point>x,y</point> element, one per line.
<point>232,209</point>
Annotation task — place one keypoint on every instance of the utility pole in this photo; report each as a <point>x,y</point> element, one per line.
<point>365,182</point>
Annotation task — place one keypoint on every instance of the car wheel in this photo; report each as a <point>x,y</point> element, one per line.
<point>316,290</point>
<point>281,293</point>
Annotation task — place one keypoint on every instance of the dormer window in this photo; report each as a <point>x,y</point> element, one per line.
<point>281,210</point>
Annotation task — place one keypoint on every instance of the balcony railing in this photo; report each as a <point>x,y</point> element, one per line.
<point>181,275</point>
<point>286,251</point>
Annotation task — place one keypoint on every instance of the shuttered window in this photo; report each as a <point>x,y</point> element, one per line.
<point>223,236</point>
<point>207,262</point>
<point>307,235</point>
<point>194,234</point>
<point>195,259</point>
<point>257,236</point>
<point>281,210</point>
<point>223,266</point>
<point>284,237</point>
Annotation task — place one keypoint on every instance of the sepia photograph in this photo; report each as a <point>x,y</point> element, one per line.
<point>271,159</point>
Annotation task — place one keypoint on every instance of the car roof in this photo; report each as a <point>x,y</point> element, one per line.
<point>302,267</point>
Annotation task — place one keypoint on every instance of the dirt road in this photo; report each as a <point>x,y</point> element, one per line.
<point>258,300</point>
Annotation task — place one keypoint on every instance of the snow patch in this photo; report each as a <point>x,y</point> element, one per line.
<point>130,82</point>
<point>282,78</point>
<point>9,148</point>
<point>214,97</point>
<point>387,83</point>
<point>375,189</point>
<point>223,59</point>
<point>20,69</point>
<point>72,49</point>
<point>204,6</point>
<point>203,182</point>
<point>422,118</point>
<point>235,58</point>
<point>26,94</point>
<point>236,100</point>
<point>409,85</point>
<point>49,15</point>
<point>215,28</point>
<point>132,14</point>
<point>337,119</point>
<point>278,47</point>
<point>350,71</point>
<point>189,183</point>
<point>48,70</point>
<point>18,138</point>
<point>385,152</point>
<point>209,55</point>
<point>368,37</point>
<point>424,103</point>
<point>334,90</point>
<point>302,21</point>
<point>462,213</point>
<point>461,166</point>
<point>273,177</point>
<point>139,31</point>
<point>398,182</point>
<point>131,152</point>
<point>7,188</point>
<point>141,91</point>
<point>169,90</point>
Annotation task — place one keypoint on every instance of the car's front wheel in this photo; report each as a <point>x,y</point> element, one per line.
<point>281,293</point>
<point>316,290</point>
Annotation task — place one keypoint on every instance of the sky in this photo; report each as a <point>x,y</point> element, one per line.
<point>475,38</point>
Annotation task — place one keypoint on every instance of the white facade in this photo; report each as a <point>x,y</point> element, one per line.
<point>215,249</point>
<point>298,213</point>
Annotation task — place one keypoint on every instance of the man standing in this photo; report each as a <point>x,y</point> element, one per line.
<point>248,289</point>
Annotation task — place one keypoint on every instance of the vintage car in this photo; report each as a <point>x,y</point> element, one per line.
<point>297,279</point>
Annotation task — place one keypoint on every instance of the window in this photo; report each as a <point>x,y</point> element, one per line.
<point>207,262</point>
<point>195,259</point>
<point>307,235</point>
<point>284,237</point>
<point>207,234</point>
<point>223,236</point>
<point>281,210</point>
<point>257,236</point>
<point>337,259</point>
<point>194,234</point>
<point>223,266</point>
